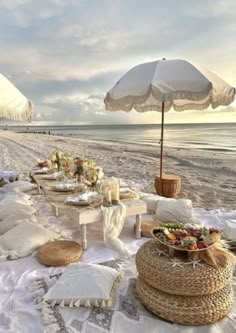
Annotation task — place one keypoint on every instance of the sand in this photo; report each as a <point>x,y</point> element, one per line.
<point>208,178</point>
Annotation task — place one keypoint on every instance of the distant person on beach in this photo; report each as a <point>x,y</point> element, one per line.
<point>6,128</point>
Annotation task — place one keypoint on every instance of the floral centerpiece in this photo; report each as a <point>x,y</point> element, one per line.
<point>67,164</point>
<point>56,159</point>
<point>87,171</point>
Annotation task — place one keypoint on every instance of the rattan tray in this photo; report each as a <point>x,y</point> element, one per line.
<point>187,310</point>
<point>174,248</point>
<point>179,275</point>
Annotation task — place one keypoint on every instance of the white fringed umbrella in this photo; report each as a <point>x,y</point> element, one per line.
<point>162,84</point>
<point>13,104</point>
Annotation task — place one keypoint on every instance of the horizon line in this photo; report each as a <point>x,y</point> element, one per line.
<point>138,124</point>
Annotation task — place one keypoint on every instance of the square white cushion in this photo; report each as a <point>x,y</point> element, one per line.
<point>24,239</point>
<point>229,230</point>
<point>151,201</point>
<point>174,210</point>
<point>12,220</point>
<point>16,197</point>
<point>16,209</point>
<point>20,186</point>
<point>84,284</point>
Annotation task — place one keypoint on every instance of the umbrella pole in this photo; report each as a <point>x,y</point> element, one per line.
<point>161,141</point>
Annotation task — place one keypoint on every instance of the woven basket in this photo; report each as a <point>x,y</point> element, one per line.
<point>59,253</point>
<point>162,273</point>
<point>187,310</point>
<point>169,186</point>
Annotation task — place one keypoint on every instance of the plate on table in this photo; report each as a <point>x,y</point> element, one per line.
<point>83,199</point>
<point>63,187</point>
<point>186,237</point>
<point>78,200</point>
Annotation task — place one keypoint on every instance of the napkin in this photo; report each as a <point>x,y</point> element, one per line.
<point>64,186</point>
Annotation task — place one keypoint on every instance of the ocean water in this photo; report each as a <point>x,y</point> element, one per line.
<point>214,137</point>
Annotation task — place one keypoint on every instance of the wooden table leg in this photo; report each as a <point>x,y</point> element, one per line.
<point>138,225</point>
<point>84,239</point>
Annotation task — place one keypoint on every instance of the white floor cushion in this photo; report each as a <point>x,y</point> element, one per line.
<point>174,210</point>
<point>151,201</point>
<point>16,209</point>
<point>12,220</point>
<point>16,197</point>
<point>24,239</point>
<point>20,186</point>
<point>84,284</point>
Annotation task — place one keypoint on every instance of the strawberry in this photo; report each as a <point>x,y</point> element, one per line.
<point>201,245</point>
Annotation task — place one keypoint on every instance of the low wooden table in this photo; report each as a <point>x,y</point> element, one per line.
<point>85,215</point>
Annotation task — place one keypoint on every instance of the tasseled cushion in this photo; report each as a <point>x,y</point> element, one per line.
<point>84,285</point>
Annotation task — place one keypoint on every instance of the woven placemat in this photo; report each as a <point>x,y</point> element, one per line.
<point>59,253</point>
<point>179,275</point>
<point>187,310</point>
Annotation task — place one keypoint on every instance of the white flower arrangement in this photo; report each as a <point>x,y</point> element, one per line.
<point>88,169</point>
<point>84,169</point>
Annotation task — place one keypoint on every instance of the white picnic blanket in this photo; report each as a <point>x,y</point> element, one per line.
<point>18,314</point>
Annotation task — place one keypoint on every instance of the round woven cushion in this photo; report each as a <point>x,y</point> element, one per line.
<point>161,272</point>
<point>59,253</point>
<point>187,310</point>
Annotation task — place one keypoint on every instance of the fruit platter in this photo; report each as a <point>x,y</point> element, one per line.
<point>186,237</point>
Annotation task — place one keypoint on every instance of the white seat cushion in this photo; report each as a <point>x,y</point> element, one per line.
<point>20,186</point>
<point>84,284</point>
<point>24,239</point>
<point>174,210</point>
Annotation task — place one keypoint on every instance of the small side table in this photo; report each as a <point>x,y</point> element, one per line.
<point>91,215</point>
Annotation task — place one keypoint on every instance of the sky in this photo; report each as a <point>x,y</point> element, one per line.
<point>65,55</point>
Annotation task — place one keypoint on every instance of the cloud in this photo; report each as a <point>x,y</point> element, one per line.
<point>13,4</point>
<point>61,52</point>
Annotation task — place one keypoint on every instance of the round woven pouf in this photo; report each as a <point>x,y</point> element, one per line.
<point>179,275</point>
<point>59,253</point>
<point>187,310</point>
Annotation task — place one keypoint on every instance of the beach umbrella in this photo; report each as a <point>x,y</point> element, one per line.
<point>162,84</point>
<point>13,104</point>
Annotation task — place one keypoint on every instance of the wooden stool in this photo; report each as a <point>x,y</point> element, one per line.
<point>169,186</point>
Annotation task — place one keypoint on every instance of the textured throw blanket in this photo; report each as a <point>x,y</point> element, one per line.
<point>127,313</point>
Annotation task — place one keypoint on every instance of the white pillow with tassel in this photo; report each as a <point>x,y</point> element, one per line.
<point>84,285</point>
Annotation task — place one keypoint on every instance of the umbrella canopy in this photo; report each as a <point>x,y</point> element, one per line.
<point>162,84</point>
<point>177,83</point>
<point>13,104</point>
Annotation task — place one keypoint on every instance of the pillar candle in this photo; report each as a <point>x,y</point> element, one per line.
<point>108,196</point>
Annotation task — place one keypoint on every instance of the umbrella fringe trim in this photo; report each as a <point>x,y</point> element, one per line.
<point>129,102</point>
<point>25,114</point>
